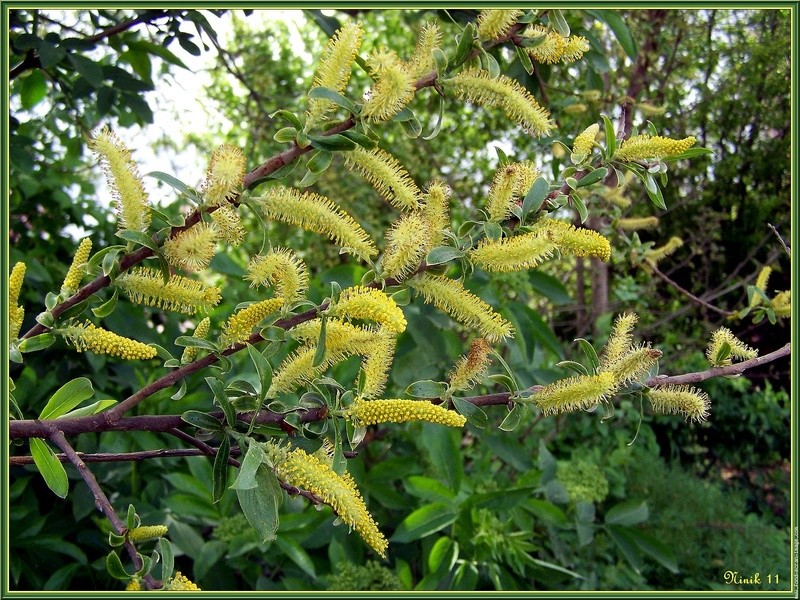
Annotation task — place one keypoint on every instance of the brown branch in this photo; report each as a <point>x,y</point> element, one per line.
<point>689,294</point>
<point>780,239</point>
<point>101,457</point>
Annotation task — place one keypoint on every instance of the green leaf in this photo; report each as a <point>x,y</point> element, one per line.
<point>412,127</point>
<point>201,420</point>
<point>535,197</point>
<point>253,459</point>
<point>549,287</point>
<point>424,521</point>
<point>493,231</point>
<point>628,513</point>
<point>263,368</point>
<point>36,343</point>
<point>440,60</point>
<point>50,467</point>
<point>332,142</point>
<point>464,46</point>
<point>132,520</point>
<point>655,548</point>
<point>360,139</point>
<point>91,409</point>
<point>288,116</point>
<point>33,89</point>
<point>554,567</point>
<point>428,489</point>
<point>110,260</point>
<point>442,254</point>
<point>189,341</point>
<point>723,353</point>
<point>285,135</point>
<point>115,568</point>
<point>426,388</point>
<point>319,161</point>
<point>89,70</point>
<point>547,463</point>
<point>620,29</point>
<point>611,137</point>
<point>175,183</point>
<point>68,396</point>
<point>260,504</point>
<point>513,418</point>
<point>319,354</point>
<point>323,93</point>
<point>573,366</point>
<point>690,153</point>
<point>593,177</point>
<point>50,55</point>
<point>474,414</point>
<point>220,469</point>
<point>590,353</point>
<point>107,307</point>
<point>653,191</point>
<point>524,60</point>
<point>627,545</point>
<point>558,22</point>
<point>167,558</point>
<point>137,237</point>
<point>218,388</point>
<point>297,555</point>
<point>437,126</point>
<point>580,206</point>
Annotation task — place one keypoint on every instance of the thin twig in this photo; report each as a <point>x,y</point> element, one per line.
<point>100,457</point>
<point>689,294</point>
<point>780,239</point>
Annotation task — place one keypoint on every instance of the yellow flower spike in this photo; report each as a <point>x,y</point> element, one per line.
<point>16,313</point>
<point>335,66</point>
<point>122,174</point>
<point>200,332</point>
<point>228,224</point>
<point>620,340</point>
<point>421,62</point>
<point>470,369</point>
<point>193,248</point>
<point>316,213</point>
<point>654,255</point>
<point>641,147</point>
<point>637,223</point>
<point>516,253</point>
<point>738,349</point>
<point>575,393</point>
<point>574,240</point>
<point>688,401</point>
<point>436,210</point>
<point>496,23</point>
<point>225,174</point>
<point>386,175</point>
<point>308,472</point>
<point>552,47</point>
<point>339,334</point>
<point>284,270</point>
<point>479,87</point>
<point>407,242</point>
<point>575,109</point>
<point>134,585</point>
<point>649,110</point>
<point>761,283</point>
<point>584,143</point>
<point>88,337</point>
<point>634,364</point>
<point>180,582</point>
<point>393,89</point>
<point>781,304</point>
<point>180,294</point>
<point>147,533</point>
<point>369,304</point>
<point>297,369</point>
<point>574,49</point>
<point>377,363</point>
<point>450,296</point>
<point>240,324</point>
<point>374,412</point>
<point>75,273</point>
<point>510,182</point>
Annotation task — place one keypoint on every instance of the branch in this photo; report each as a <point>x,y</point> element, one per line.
<point>101,457</point>
<point>690,295</point>
<point>780,239</point>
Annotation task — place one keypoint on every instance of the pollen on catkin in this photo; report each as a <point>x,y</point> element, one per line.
<point>146,533</point>
<point>297,369</point>
<point>654,255</point>
<point>574,49</point>
<point>200,333</point>
<point>88,337</point>
<point>511,182</point>
<point>306,471</point>
<point>193,248</point>
<point>584,142</point>
<point>16,313</point>
<point>781,304</point>
<point>393,89</point>
<point>640,147</point>
<point>228,224</point>
<point>282,269</point>
<point>376,364</point>
<point>407,242</point>
<point>146,286</point>
<point>386,175</point>
<point>339,335</point>
<point>374,412</point>
<point>516,253</point>
<point>575,393</point>
<point>577,241</point>
<point>495,23</point>
<point>637,223</point>
<point>421,61</point>
<point>335,66</point>
<point>479,87</point>
<point>736,348</point>
<point>318,214</point>
<point>450,296</point>
<point>620,340</point>
<point>470,368</point>
<point>75,273</point>
<point>369,304</point>
<point>223,181</point>
<point>436,210</point>
<point>180,582</point>
<point>686,400</point>
<point>634,364</point>
<point>240,324</point>
<point>122,174</point>
<point>550,48</point>
<point>761,283</point>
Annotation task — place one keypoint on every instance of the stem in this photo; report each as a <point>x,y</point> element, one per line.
<point>689,294</point>
<point>100,457</point>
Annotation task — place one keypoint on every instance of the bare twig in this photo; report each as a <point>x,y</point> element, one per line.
<point>100,457</point>
<point>689,294</point>
<point>780,239</point>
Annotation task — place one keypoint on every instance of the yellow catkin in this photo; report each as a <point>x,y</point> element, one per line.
<point>134,585</point>
<point>308,472</point>
<point>470,369</point>
<point>637,223</point>
<point>336,65</point>
<point>147,533</point>
<point>180,582</point>
<point>374,412</point>
<point>620,340</point>
<point>761,283</point>
<point>122,174</point>
<point>193,248</point>
<point>407,242</point>
<point>16,313</point>
<point>575,393</point>
<point>318,214</point>
<point>633,365</point>
<point>436,211</point>
<point>297,369</point>
<point>510,183</point>
<point>15,318</point>
<point>200,332</point>
<point>240,324</point>
<point>654,255</point>
<point>584,142</point>
<point>641,147</point>
<point>146,286</point>
<point>496,23</point>
<point>393,89</point>
<point>574,49</point>
<point>369,304</point>
<point>738,349</point>
<point>688,401</point>
<point>377,363</point>
<point>450,296</point>
<point>574,240</point>
<point>75,273</point>
<point>551,47</point>
<point>478,86</point>
<point>338,334</point>
<point>516,253</point>
<point>781,304</point>
<point>386,175</point>
<point>228,224</point>
<point>650,110</point>
<point>225,174</point>
<point>282,269</point>
<point>421,62</point>
<point>575,109</point>
<point>88,337</point>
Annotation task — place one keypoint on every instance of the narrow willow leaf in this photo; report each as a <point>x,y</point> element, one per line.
<point>260,504</point>
<point>220,470</point>
<point>50,467</point>
<point>68,396</point>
